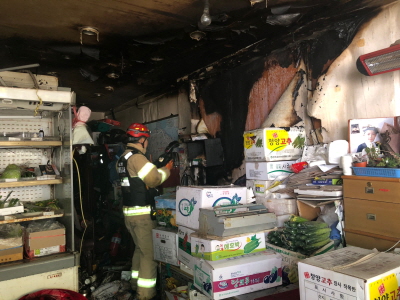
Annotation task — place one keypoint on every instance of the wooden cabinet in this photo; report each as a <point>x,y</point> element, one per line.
<point>371,211</point>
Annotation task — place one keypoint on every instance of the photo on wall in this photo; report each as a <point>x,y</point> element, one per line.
<point>367,132</point>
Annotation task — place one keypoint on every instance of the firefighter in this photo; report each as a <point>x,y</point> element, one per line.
<point>139,177</point>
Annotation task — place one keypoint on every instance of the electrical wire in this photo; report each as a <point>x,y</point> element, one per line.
<point>363,259</point>
<point>80,200</point>
<point>392,246</point>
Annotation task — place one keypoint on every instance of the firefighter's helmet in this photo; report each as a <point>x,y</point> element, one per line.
<point>136,131</point>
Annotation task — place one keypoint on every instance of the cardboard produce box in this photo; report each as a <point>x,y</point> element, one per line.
<point>268,170</point>
<point>184,244</point>
<point>221,248</point>
<point>274,144</point>
<point>239,275</point>
<point>11,249</point>
<point>44,242</point>
<point>165,245</point>
<point>291,258</point>
<point>190,198</point>
<point>166,210</point>
<point>325,277</point>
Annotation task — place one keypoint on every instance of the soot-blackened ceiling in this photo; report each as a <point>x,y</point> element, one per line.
<point>148,45</point>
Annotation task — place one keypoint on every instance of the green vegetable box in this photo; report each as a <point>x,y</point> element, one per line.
<point>220,248</point>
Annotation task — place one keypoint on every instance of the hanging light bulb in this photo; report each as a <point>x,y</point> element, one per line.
<point>205,17</point>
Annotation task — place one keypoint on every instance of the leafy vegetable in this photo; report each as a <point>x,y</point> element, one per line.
<point>11,173</point>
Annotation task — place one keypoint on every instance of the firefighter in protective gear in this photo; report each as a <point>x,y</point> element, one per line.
<point>139,177</point>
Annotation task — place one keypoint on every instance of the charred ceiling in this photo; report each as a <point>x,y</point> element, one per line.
<point>146,47</point>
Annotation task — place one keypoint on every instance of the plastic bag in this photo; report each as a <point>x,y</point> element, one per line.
<point>11,235</point>
<point>80,135</point>
<point>44,225</point>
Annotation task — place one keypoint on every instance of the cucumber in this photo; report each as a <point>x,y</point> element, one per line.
<point>317,238</point>
<point>313,232</point>
<point>297,219</point>
<point>312,224</point>
<point>316,246</point>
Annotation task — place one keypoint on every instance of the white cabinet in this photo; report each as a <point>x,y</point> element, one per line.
<point>58,150</point>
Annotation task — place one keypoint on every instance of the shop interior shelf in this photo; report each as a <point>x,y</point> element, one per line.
<point>33,144</point>
<point>30,183</point>
<point>23,217</point>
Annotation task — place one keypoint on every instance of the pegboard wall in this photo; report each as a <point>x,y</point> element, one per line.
<point>28,193</point>
<point>27,157</point>
<point>27,125</point>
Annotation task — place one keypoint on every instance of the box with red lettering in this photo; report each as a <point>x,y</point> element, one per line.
<point>43,243</point>
<point>350,273</point>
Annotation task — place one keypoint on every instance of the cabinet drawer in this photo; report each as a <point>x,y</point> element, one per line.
<point>370,189</point>
<point>372,216</point>
<point>367,242</point>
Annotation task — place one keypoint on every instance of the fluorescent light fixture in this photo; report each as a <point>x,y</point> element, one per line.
<point>381,61</point>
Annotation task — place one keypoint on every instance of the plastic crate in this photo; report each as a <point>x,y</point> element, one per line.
<point>377,172</point>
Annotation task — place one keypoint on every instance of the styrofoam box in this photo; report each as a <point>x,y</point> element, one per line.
<point>213,249</point>
<point>238,275</point>
<point>272,144</point>
<point>11,210</point>
<point>190,198</point>
<point>165,245</point>
<point>378,277</point>
<point>184,244</point>
<point>264,170</point>
<point>259,186</point>
<point>279,206</point>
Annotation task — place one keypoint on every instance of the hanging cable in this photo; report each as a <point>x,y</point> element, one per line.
<point>80,200</point>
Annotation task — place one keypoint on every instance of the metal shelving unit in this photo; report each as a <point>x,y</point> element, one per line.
<point>57,270</point>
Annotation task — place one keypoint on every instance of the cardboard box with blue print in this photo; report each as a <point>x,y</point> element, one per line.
<point>190,198</point>
<point>238,275</point>
<point>274,144</point>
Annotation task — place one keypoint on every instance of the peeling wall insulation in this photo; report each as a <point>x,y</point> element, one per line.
<point>228,95</point>
<point>343,93</point>
<point>267,91</point>
<point>212,121</point>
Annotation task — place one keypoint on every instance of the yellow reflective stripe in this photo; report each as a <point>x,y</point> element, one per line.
<point>136,210</point>
<point>145,170</point>
<point>163,175</point>
<point>146,283</point>
<point>135,274</point>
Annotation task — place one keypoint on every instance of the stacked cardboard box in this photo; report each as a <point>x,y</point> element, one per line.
<point>269,154</point>
<point>166,210</point>
<point>220,268</point>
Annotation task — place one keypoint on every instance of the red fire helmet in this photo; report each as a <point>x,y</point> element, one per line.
<point>138,130</point>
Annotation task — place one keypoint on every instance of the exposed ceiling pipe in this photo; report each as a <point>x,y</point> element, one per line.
<point>20,67</point>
